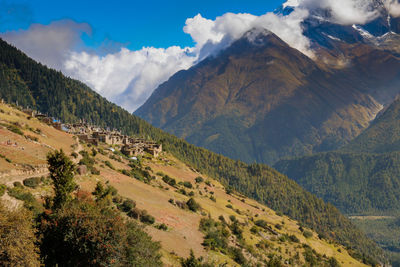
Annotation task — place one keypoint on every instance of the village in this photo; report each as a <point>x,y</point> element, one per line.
<point>91,134</point>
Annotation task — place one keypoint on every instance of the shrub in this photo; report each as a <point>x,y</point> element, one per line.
<point>109,165</point>
<point>128,204</point>
<point>261,223</point>
<point>199,179</point>
<point>32,182</point>
<point>278,226</point>
<point>147,218</point>
<point>17,184</point>
<point>294,239</point>
<point>254,230</point>
<point>307,234</point>
<point>187,184</point>
<point>168,180</point>
<point>162,227</point>
<point>193,205</point>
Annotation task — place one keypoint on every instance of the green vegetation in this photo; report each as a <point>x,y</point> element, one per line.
<point>17,238</point>
<point>61,170</point>
<point>193,205</point>
<point>50,92</point>
<point>3,189</point>
<point>354,183</point>
<point>32,182</point>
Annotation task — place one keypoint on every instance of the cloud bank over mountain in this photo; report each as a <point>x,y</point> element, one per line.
<point>128,77</point>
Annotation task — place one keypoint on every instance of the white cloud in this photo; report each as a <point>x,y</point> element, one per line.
<point>345,12</point>
<point>49,44</point>
<point>128,77</point>
<point>393,7</point>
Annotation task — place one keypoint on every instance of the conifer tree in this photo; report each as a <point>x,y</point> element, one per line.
<point>62,174</point>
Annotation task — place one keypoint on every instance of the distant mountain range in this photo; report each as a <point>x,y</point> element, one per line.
<point>261,100</point>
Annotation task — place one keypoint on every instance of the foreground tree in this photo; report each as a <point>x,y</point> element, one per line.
<point>61,170</point>
<point>85,233</point>
<point>17,238</point>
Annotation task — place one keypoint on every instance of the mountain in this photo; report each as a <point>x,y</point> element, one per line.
<point>50,92</point>
<point>261,100</point>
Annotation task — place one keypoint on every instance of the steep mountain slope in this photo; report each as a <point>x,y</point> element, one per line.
<point>176,227</point>
<point>50,92</point>
<point>382,136</point>
<point>261,100</point>
<point>357,181</point>
<point>354,183</point>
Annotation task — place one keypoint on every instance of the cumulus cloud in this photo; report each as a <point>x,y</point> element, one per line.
<point>49,44</point>
<point>128,77</point>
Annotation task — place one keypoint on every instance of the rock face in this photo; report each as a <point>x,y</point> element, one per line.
<point>263,100</point>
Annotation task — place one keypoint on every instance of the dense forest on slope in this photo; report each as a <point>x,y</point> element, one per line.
<point>354,183</point>
<point>32,84</point>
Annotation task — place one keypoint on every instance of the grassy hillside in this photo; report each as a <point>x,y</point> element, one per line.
<point>246,231</point>
<point>50,92</point>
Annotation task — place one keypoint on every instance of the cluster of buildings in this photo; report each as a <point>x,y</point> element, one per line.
<point>130,146</point>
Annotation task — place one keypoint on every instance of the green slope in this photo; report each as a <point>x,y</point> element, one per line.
<point>50,92</point>
<point>354,183</point>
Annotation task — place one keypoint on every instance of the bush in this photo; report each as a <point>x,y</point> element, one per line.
<point>187,184</point>
<point>32,182</point>
<point>147,218</point>
<point>109,165</point>
<point>261,223</point>
<point>199,180</point>
<point>168,180</point>
<point>128,204</point>
<point>162,227</point>
<point>307,234</point>
<point>193,205</point>
<point>294,239</point>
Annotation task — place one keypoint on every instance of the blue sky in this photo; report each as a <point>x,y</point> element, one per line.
<point>132,24</point>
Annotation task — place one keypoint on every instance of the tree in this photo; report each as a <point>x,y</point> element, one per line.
<point>193,205</point>
<point>83,232</point>
<point>62,174</point>
<point>17,238</point>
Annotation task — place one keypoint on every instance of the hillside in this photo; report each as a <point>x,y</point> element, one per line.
<point>382,136</point>
<point>50,92</point>
<point>263,100</point>
<point>259,233</point>
<point>362,178</point>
